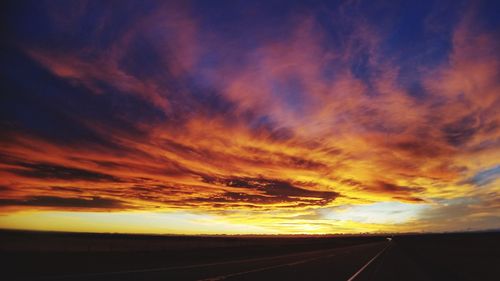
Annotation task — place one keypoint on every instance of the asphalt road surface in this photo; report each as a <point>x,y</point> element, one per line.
<point>329,264</point>
<point>411,258</point>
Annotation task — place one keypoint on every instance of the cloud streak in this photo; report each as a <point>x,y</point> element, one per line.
<point>184,108</point>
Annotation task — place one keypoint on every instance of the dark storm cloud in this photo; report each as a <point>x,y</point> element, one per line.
<point>398,192</point>
<point>203,106</point>
<point>409,199</point>
<point>351,182</point>
<point>66,189</point>
<point>62,202</point>
<point>51,171</point>
<point>269,192</point>
<point>390,187</point>
<point>44,108</point>
<point>187,150</point>
<point>461,131</point>
<point>420,148</point>
<point>300,162</point>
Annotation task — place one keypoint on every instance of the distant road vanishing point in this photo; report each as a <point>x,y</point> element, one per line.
<point>419,257</point>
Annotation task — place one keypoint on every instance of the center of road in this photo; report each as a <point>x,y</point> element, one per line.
<point>259,264</point>
<point>222,277</point>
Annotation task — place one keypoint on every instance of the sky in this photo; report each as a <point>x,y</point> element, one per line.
<point>250,117</point>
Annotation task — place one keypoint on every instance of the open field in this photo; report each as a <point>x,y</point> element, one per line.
<point>70,256</point>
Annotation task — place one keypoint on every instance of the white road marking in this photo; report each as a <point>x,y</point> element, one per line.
<point>159,269</point>
<point>368,263</point>
<point>222,277</point>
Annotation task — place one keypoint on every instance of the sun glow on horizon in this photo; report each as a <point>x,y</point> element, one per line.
<point>206,118</point>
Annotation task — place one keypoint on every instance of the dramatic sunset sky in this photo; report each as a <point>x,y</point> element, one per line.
<point>270,117</point>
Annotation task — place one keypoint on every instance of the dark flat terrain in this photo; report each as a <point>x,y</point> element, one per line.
<point>460,257</point>
<point>62,256</point>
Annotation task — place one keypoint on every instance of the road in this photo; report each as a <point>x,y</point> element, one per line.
<point>457,257</point>
<point>329,264</point>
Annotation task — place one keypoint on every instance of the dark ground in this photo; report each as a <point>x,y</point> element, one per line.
<point>69,256</point>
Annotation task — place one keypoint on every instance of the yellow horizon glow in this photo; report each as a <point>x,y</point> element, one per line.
<point>285,136</point>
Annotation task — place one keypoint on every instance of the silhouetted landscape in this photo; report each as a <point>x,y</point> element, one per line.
<point>174,140</point>
<point>89,256</point>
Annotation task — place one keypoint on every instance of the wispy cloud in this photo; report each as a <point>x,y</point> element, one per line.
<point>165,107</point>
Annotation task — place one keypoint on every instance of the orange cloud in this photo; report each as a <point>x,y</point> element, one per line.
<point>290,127</point>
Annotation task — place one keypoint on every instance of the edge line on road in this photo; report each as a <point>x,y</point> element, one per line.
<point>159,269</point>
<point>368,263</point>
